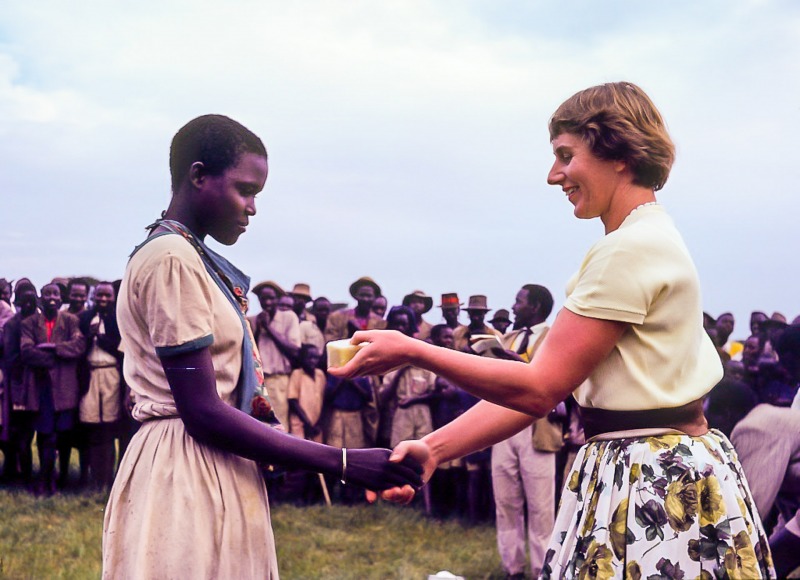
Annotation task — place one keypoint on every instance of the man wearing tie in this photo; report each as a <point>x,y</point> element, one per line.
<point>524,466</point>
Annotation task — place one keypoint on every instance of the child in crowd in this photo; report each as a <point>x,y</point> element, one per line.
<point>306,395</point>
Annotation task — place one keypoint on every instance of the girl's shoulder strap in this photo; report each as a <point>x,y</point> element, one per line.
<point>149,238</point>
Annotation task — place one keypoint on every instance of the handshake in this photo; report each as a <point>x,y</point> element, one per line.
<point>419,452</point>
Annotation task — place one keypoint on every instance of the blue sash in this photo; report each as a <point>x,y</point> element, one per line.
<point>234,285</point>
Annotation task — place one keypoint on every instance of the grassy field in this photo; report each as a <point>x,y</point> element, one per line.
<point>59,537</point>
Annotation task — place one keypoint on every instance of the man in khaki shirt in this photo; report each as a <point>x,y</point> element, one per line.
<point>344,323</point>
<point>477,309</point>
<point>524,465</point>
<point>420,303</point>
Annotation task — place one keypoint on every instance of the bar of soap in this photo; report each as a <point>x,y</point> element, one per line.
<point>340,352</point>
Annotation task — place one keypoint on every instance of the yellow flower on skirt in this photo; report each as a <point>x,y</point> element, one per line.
<point>633,571</point>
<point>574,481</point>
<point>619,528</point>
<point>597,564</point>
<point>744,510</point>
<point>588,524</point>
<point>712,506</point>
<point>663,442</point>
<point>636,471</point>
<point>740,559</point>
<point>681,503</point>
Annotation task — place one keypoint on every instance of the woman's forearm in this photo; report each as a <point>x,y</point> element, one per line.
<point>479,427</point>
<point>571,351</point>
<point>507,383</point>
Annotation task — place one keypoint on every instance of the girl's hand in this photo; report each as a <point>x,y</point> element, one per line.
<point>372,469</point>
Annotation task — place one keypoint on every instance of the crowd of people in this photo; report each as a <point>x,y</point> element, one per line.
<point>756,404</point>
<point>62,382</point>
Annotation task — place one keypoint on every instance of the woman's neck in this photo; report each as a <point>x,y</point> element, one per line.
<point>624,203</point>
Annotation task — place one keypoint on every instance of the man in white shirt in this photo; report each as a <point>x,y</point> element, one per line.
<point>524,465</point>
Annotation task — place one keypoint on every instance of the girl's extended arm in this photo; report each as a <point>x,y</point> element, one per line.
<point>212,422</point>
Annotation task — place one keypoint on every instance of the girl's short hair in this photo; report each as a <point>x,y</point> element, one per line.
<point>215,140</point>
<point>619,122</point>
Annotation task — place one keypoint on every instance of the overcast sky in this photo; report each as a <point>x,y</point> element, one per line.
<point>407,139</point>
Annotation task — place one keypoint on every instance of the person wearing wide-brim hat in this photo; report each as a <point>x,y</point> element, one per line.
<point>343,323</point>
<point>310,332</point>
<point>364,281</point>
<point>451,308</point>
<point>477,309</point>
<point>420,303</point>
<point>301,294</point>
<point>267,284</point>
<point>501,320</point>
<point>301,290</point>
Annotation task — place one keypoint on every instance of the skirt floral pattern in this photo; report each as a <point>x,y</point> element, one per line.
<point>668,506</point>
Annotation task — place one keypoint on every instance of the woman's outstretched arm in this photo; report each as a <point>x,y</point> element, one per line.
<point>479,427</point>
<point>209,420</point>
<point>572,349</point>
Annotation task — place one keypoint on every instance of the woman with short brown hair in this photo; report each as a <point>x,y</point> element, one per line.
<point>653,492</point>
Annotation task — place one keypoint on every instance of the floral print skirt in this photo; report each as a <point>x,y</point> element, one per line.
<point>667,506</point>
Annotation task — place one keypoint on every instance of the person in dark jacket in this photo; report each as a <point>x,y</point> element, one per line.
<point>50,345</point>
<point>18,464</point>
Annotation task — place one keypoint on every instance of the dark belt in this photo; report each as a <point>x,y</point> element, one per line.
<point>159,418</point>
<point>687,418</point>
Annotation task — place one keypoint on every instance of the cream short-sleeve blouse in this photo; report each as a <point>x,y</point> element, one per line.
<point>642,274</point>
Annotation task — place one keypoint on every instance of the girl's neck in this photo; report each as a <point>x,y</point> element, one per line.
<point>180,212</point>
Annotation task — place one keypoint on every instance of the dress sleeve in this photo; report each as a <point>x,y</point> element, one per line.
<point>615,282</point>
<point>176,301</point>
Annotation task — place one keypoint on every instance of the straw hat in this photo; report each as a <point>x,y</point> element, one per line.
<point>364,281</point>
<point>302,290</point>
<point>419,294</point>
<point>477,302</point>
<point>501,315</point>
<point>269,283</point>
